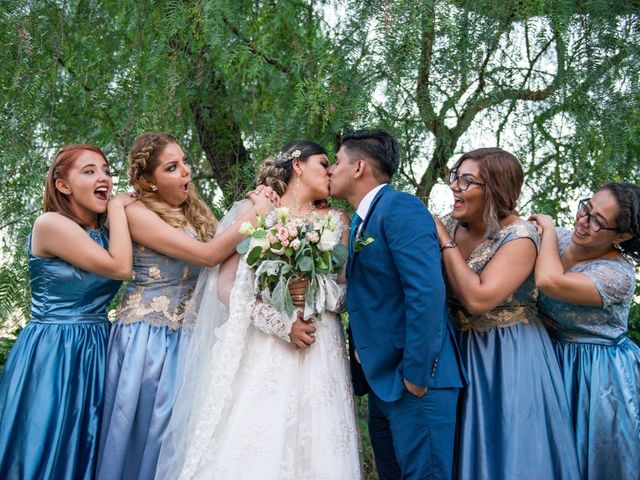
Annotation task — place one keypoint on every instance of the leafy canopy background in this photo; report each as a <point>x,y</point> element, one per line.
<point>556,82</point>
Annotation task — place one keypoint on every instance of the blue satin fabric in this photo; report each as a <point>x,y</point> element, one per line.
<point>600,367</point>
<point>144,352</point>
<point>51,390</point>
<point>140,391</point>
<point>603,384</point>
<point>514,418</point>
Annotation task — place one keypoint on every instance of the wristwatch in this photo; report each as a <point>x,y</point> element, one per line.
<point>451,244</point>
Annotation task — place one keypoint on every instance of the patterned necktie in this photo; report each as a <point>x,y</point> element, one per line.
<point>355,223</point>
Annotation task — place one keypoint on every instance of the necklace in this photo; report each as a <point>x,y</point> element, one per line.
<point>296,210</point>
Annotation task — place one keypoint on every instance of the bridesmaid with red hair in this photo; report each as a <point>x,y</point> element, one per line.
<point>51,390</point>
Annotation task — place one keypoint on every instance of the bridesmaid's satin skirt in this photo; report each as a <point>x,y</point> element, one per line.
<point>514,421</point>
<point>51,394</point>
<point>603,386</point>
<point>139,394</point>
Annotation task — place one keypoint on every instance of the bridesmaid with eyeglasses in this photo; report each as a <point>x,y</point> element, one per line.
<point>513,419</point>
<point>586,285</point>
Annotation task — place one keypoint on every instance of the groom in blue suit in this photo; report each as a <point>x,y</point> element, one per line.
<point>402,347</point>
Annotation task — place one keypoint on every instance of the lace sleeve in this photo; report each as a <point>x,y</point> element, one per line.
<point>615,280</point>
<point>515,231</point>
<point>267,319</point>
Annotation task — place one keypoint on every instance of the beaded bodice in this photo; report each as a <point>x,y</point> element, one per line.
<point>520,306</point>
<point>159,290</point>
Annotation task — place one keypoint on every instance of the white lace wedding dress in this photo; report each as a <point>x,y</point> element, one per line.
<point>253,406</point>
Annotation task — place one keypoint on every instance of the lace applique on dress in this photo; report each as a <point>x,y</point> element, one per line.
<point>614,278</point>
<point>341,301</point>
<point>160,289</point>
<point>520,306</point>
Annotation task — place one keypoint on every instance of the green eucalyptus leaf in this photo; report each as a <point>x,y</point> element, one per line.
<point>243,246</point>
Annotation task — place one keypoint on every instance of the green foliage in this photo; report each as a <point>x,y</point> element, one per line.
<point>5,348</point>
<point>368,462</point>
<point>556,82</point>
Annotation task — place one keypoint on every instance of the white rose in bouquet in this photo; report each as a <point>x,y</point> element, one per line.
<point>328,240</point>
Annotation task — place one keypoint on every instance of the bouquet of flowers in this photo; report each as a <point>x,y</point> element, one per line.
<point>282,247</point>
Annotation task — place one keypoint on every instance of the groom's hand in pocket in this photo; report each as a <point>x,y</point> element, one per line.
<point>414,389</point>
<point>302,333</point>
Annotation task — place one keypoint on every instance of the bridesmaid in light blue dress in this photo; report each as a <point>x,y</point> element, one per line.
<point>173,233</point>
<point>51,389</point>
<point>514,417</point>
<point>586,288</point>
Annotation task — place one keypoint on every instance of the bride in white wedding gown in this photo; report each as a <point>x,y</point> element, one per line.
<point>252,404</point>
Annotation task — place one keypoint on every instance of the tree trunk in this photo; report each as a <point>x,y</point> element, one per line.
<point>220,136</point>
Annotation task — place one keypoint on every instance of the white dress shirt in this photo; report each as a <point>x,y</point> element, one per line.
<point>365,205</point>
<point>362,211</point>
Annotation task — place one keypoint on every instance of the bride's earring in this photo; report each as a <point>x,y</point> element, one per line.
<point>295,194</point>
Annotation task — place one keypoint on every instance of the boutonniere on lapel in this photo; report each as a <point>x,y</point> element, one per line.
<point>363,241</point>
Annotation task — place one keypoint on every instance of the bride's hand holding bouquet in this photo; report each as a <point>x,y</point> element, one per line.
<point>302,253</point>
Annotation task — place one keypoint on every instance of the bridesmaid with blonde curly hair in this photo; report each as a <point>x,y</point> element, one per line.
<point>174,236</point>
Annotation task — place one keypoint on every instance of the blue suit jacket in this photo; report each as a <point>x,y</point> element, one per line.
<point>396,301</point>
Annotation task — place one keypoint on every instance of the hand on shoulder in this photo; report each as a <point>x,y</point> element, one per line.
<point>122,199</point>
<point>541,222</point>
<point>55,235</point>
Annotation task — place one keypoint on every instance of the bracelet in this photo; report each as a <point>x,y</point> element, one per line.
<point>450,244</point>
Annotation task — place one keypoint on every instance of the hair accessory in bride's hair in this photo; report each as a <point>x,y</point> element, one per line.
<point>284,157</point>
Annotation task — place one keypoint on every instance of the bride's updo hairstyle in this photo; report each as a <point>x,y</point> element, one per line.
<point>143,160</point>
<point>276,172</point>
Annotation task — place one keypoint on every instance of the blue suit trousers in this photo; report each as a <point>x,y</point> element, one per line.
<point>413,437</point>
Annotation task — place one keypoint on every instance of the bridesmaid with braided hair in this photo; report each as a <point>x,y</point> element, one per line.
<point>173,237</point>
<point>586,287</point>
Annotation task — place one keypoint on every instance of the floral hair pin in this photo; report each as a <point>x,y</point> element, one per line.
<point>286,157</point>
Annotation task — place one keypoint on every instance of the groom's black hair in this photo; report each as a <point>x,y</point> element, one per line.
<point>378,146</point>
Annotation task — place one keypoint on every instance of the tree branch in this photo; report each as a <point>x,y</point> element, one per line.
<point>64,65</point>
<point>526,78</point>
<point>21,219</point>
<point>252,47</point>
<point>60,61</point>
<point>203,176</point>
<point>497,98</point>
<point>452,101</point>
<point>424,71</point>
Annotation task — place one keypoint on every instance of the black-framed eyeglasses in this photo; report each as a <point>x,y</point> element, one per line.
<point>594,224</point>
<point>464,181</point>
